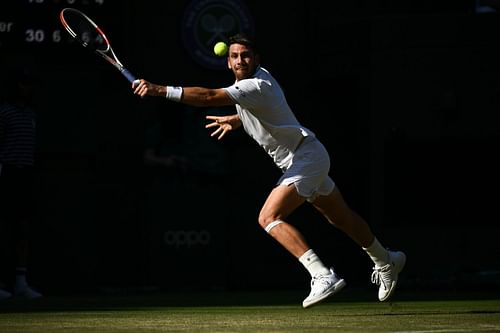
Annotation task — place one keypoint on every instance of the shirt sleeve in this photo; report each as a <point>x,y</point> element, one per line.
<point>247,93</point>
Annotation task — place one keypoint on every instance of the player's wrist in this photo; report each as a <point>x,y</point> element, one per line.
<point>173,93</point>
<point>159,90</point>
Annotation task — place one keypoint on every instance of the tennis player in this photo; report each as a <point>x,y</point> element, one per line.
<point>262,110</point>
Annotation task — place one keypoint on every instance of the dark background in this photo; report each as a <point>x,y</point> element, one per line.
<point>404,95</point>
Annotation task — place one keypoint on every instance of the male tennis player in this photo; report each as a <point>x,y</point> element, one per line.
<point>263,111</point>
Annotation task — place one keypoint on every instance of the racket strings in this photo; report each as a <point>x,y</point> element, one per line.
<point>85,31</point>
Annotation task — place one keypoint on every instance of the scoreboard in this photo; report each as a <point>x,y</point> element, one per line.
<point>34,24</point>
<point>71,92</point>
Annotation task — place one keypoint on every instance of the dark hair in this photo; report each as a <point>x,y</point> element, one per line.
<point>244,39</point>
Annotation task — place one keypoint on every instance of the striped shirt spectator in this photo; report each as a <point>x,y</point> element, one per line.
<point>17,174</point>
<point>17,135</point>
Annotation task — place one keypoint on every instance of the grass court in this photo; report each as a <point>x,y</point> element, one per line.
<point>245,312</point>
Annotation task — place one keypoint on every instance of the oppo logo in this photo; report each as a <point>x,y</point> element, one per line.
<point>186,238</point>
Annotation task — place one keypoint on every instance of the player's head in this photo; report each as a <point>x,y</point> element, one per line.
<point>243,57</point>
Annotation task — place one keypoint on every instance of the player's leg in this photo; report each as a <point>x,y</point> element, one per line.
<point>338,213</point>
<point>388,264</point>
<point>281,202</point>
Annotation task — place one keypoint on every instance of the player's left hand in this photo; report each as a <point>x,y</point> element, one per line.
<point>223,124</point>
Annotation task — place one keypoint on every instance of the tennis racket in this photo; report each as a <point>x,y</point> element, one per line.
<point>90,36</point>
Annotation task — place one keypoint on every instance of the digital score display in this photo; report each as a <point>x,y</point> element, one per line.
<point>27,24</point>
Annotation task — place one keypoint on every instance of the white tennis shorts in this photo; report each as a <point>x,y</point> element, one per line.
<point>308,170</point>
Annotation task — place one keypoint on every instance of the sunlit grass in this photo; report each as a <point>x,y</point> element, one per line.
<point>141,317</point>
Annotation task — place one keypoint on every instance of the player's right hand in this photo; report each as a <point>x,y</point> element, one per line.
<point>144,88</point>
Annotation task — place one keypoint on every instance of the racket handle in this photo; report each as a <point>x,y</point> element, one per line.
<point>128,75</point>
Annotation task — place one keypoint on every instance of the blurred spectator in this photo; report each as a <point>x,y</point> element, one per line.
<point>17,173</point>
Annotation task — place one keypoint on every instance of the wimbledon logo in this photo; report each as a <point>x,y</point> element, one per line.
<point>207,22</point>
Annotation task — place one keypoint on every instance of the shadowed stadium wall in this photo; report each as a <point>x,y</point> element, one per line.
<point>404,96</point>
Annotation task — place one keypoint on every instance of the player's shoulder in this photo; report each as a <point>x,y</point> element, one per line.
<point>259,81</point>
<point>262,77</point>
<point>250,83</point>
<point>262,74</point>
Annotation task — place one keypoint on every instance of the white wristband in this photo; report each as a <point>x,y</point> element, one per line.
<point>174,93</point>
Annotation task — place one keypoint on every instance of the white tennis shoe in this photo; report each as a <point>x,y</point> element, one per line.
<point>387,276</point>
<point>323,286</point>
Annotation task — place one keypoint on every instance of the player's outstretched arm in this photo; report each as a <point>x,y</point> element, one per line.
<point>198,96</point>
<point>223,124</point>
<point>195,96</point>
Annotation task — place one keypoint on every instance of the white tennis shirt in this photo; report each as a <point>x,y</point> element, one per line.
<point>266,116</point>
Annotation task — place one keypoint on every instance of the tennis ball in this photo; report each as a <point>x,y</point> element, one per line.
<point>220,49</point>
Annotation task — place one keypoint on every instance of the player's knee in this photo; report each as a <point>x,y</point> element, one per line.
<point>272,225</point>
<point>265,220</point>
<point>269,222</point>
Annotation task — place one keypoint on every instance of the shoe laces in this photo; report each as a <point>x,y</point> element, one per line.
<point>382,275</point>
<point>321,279</point>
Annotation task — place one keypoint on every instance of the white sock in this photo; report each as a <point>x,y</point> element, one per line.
<point>378,254</point>
<point>313,264</point>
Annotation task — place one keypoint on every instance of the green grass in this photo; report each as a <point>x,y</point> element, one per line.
<point>240,312</point>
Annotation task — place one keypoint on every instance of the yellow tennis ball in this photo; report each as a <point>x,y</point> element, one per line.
<point>220,49</point>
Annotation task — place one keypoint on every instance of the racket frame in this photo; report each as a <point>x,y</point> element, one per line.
<point>113,59</point>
